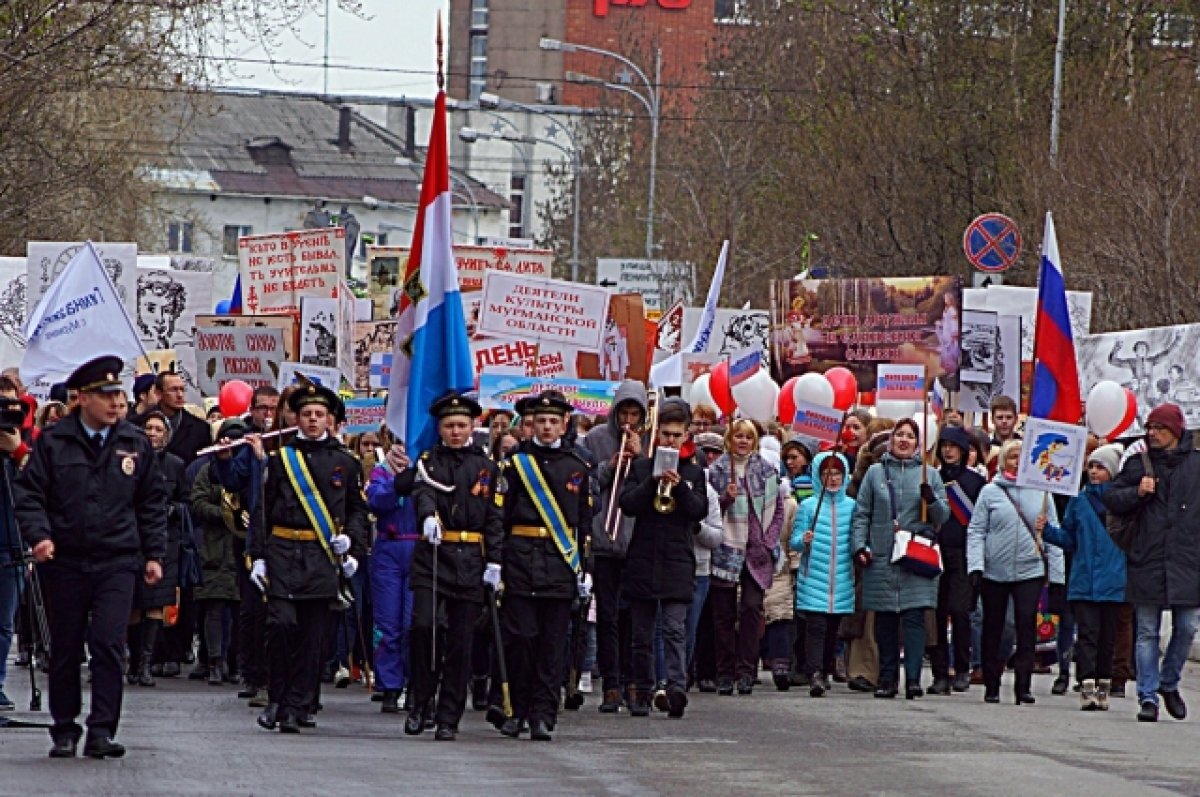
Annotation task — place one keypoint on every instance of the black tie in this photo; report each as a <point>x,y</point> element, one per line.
<point>97,442</point>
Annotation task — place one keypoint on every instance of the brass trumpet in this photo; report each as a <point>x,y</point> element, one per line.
<point>664,502</point>
<point>623,466</point>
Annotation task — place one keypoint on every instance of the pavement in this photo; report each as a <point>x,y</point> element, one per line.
<point>187,738</point>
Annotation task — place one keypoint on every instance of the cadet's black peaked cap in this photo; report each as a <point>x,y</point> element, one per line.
<point>455,404</point>
<point>548,401</point>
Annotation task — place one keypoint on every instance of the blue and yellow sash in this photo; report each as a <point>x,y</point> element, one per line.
<point>547,507</point>
<point>310,498</point>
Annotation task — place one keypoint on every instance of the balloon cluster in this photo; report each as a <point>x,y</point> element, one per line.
<point>758,397</point>
<point>1111,410</point>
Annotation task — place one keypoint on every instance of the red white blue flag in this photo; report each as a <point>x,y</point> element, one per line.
<point>744,365</point>
<point>961,506</point>
<point>1055,392</point>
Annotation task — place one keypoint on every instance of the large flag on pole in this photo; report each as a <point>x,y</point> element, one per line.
<point>432,353</point>
<point>669,372</point>
<point>1055,392</point>
<point>79,318</point>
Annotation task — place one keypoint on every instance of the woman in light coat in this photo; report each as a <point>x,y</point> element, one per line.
<point>897,596</point>
<point>1006,558</point>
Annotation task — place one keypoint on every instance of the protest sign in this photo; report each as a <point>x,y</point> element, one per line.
<point>12,309</point>
<point>1006,369</point>
<point>552,311</point>
<point>45,261</point>
<point>347,316</point>
<point>587,396</point>
<point>668,331</point>
<point>625,350</point>
<point>251,354</point>
<point>861,323</point>
<point>509,356</point>
<point>372,340</point>
<point>326,377</point>
<point>364,415</point>
<point>733,330</point>
<point>165,310</point>
<point>1009,300</point>
<point>287,323</point>
<point>1159,365</point>
<point>280,268</point>
<point>817,422</point>
<point>319,332</point>
<point>900,383</point>
<point>1052,457</point>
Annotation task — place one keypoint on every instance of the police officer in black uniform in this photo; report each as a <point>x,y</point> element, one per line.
<point>298,570</point>
<point>93,507</point>
<point>542,576</point>
<point>458,513</point>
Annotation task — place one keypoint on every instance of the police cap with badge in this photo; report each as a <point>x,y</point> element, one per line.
<point>101,375</point>
<point>549,402</point>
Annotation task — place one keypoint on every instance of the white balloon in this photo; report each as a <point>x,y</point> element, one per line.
<point>1106,406</point>
<point>897,409</point>
<point>927,421</point>
<point>813,389</point>
<point>700,394</point>
<point>756,396</point>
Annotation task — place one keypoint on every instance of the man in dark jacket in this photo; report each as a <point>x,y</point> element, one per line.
<point>547,517</point>
<point>92,506</point>
<point>610,535</point>
<point>1163,561</point>
<point>954,587</point>
<point>660,566</point>
<point>302,541</point>
<point>189,434</point>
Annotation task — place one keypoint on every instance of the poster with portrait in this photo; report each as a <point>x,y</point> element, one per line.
<point>733,330</point>
<point>1006,369</point>
<point>862,323</point>
<point>45,260</point>
<point>980,341</point>
<point>319,332</point>
<point>1052,457</point>
<point>347,316</point>
<point>625,348</point>
<point>1159,365</point>
<point>1011,300</point>
<point>166,304</point>
<point>372,340</point>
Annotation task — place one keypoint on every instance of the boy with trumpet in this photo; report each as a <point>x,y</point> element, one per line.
<point>660,565</point>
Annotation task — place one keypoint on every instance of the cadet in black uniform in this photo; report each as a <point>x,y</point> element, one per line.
<point>92,505</point>
<point>459,515</point>
<point>298,567</point>
<point>547,513</point>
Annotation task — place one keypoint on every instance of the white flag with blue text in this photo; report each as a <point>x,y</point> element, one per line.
<point>669,372</point>
<point>78,319</point>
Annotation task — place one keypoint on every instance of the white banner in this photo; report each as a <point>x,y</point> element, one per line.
<point>164,311</point>
<point>553,311</point>
<point>1052,457</point>
<point>46,260</point>
<point>280,268</point>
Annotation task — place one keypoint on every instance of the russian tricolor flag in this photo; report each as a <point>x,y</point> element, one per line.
<point>432,354</point>
<point>961,506</point>
<point>743,366</point>
<point>1055,391</point>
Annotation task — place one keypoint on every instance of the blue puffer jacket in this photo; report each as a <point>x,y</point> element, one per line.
<point>828,587</point>
<point>1098,566</point>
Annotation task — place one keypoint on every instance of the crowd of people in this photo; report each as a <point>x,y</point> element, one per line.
<point>531,558</point>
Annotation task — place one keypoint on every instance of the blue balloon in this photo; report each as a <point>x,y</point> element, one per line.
<point>223,307</point>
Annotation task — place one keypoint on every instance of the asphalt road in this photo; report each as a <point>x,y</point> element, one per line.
<point>188,738</point>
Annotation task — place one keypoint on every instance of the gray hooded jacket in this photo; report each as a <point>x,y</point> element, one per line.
<point>603,442</point>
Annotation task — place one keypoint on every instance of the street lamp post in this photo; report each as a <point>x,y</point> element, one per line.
<point>651,100</point>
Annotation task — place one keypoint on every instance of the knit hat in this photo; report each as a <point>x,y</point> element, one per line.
<point>1109,456</point>
<point>710,441</point>
<point>1170,416</point>
<point>878,444</point>
<point>958,436</point>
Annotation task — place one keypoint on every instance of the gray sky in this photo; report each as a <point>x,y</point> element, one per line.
<point>396,34</point>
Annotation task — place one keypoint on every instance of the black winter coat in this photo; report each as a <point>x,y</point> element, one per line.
<point>533,566</point>
<point>661,561</point>
<point>471,505</point>
<point>102,509</point>
<point>191,435</point>
<point>953,534</point>
<point>163,593</point>
<point>300,569</point>
<point>1163,565</point>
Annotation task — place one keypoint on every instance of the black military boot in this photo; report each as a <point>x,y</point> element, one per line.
<point>268,719</point>
<point>289,722</point>
<point>391,702</point>
<point>444,733</point>
<point>513,727</point>
<point>539,731</point>
<point>149,639</point>
<point>415,724</point>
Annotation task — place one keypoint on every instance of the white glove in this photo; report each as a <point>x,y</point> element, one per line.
<point>491,576</point>
<point>258,575</point>
<point>349,567</point>
<point>340,543</point>
<point>433,531</point>
<point>585,585</point>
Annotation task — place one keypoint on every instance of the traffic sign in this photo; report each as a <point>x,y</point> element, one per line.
<point>992,243</point>
<point>661,282</point>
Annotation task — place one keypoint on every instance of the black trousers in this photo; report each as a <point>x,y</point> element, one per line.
<point>534,633</point>
<point>450,675</point>
<point>1095,643</point>
<point>252,632</point>
<point>820,642</point>
<point>295,632</point>
<point>175,642</point>
<point>613,624</point>
<point>954,610</point>
<point>91,605</point>
<point>737,625</point>
<point>779,642</point>
<point>995,596</point>
<point>799,637</point>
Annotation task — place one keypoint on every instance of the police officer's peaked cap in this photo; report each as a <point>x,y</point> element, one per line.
<point>455,404</point>
<point>308,392</point>
<point>102,374</point>
<point>548,401</point>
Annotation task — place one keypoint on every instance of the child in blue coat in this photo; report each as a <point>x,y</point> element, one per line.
<point>1097,582</point>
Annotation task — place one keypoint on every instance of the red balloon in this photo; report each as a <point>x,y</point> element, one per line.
<point>718,385</point>
<point>785,405</point>
<point>845,387</point>
<point>867,399</point>
<point>1130,415</point>
<point>234,398</point>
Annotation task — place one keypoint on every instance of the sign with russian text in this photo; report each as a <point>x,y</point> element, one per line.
<point>280,268</point>
<point>817,422</point>
<point>509,356</point>
<point>1052,457</point>
<point>587,396</point>
<point>364,415</point>
<point>326,377</point>
<point>251,354</point>
<point>900,383</point>
<point>553,311</point>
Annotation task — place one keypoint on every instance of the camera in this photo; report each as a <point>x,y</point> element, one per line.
<point>12,414</point>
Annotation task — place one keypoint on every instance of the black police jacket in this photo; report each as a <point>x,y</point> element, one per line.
<point>469,505</point>
<point>661,561</point>
<point>534,566</point>
<point>102,509</point>
<point>301,569</point>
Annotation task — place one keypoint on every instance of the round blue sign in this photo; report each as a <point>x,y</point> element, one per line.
<point>992,243</point>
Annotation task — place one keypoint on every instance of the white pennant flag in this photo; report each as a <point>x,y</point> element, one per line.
<point>78,319</point>
<point>669,372</point>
